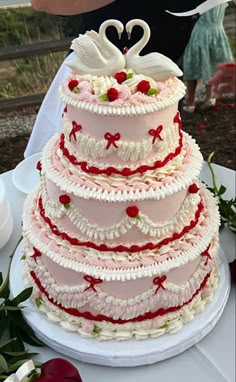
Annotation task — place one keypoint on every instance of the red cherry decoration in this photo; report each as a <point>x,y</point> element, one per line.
<point>64,199</point>
<point>132,211</point>
<point>39,165</point>
<point>120,77</point>
<point>143,86</point>
<point>72,84</point>
<point>112,94</point>
<point>193,188</point>
<point>58,370</point>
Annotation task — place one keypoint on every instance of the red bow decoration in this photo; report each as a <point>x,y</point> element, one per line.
<point>74,130</point>
<point>159,282</point>
<point>92,281</point>
<point>36,254</point>
<point>156,133</point>
<point>177,119</point>
<point>112,139</point>
<point>207,255</point>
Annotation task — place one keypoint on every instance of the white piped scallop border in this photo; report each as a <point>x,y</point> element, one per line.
<point>140,271</point>
<point>130,110</point>
<point>190,172</point>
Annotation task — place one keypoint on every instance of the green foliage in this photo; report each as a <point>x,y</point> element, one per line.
<point>23,25</point>
<point>28,76</point>
<point>14,330</point>
<point>227,208</point>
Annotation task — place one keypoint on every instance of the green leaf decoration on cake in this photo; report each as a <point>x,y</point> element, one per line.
<point>104,97</point>
<point>96,330</point>
<point>38,302</point>
<point>76,90</point>
<point>164,326</point>
<point>130,75</point>
<point>151,92</point>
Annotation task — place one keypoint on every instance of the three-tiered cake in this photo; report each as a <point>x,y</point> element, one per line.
<point>121,238</point>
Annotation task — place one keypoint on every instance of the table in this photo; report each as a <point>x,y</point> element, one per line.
<point>210,360</point>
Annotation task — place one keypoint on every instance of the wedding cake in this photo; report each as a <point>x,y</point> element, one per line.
<point>121,237</point>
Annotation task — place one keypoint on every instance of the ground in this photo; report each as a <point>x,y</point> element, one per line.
<point>214,130</point>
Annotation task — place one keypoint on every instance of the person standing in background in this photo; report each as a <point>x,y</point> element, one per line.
<point>208,46</point>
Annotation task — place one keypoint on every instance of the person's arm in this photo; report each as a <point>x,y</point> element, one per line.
<point>224,79</point>
<point>68,7</point>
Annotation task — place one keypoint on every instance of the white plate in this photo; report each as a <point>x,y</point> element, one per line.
<point>25,176</point>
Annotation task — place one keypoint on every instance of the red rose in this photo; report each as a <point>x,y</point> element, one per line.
<point>58,370</point>
<point>193,188</point>
<point>64,199</point>
<point>132,211</point>
<point>72,84</point>
<point>143,86</point>
<point>39,165</point>
<point>112,94</point>
<point>120,77</point>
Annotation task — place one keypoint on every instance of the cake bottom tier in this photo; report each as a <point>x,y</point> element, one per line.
<point>150,325</point>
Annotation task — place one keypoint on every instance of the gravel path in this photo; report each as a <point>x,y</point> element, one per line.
<point>13,124</point>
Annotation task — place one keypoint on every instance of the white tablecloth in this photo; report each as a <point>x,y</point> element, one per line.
<point>211,360</point>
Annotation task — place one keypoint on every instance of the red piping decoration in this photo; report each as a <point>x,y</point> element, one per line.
<point>74,130</point>
<point>92,281</point>
<point>101,317</point>
<point>159,280</point>
<point>36,254</point>
<point>207,255</point>
<point>125,171</point>
<point>111,139</point>
<point>119,248</point>
<point>156,134</point>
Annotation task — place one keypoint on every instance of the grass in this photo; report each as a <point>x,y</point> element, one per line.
<point>29,76</point>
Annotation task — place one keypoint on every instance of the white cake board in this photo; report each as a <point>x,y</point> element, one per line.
<point>126,353</point>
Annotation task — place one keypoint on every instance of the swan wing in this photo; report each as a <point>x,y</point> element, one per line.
<point>156,66</point>
<point>87,52</point>
<point>99,42</point>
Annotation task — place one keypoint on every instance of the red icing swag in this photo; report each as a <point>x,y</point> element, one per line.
<point>119,248</point>
<point>101,317</point>
<point>126,171</point>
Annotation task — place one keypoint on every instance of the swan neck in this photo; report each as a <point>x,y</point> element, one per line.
<point>102,32</point>
<point>136,49</point>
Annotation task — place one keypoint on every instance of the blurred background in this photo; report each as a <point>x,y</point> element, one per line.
<point>33,46</point>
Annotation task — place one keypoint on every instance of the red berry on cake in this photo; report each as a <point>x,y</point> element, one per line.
<point>39,166</point>
<point>143,86</point>
<point>132,211</point>
<point>120,77</point>
<point>112,94</point>
<point>193,188</point>
<point>65,200</point>
<point>72,85</point>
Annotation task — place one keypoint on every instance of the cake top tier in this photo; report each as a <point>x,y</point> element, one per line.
<point>106,81</point>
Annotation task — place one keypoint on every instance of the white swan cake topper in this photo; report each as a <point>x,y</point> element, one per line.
<point>98,56</point>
